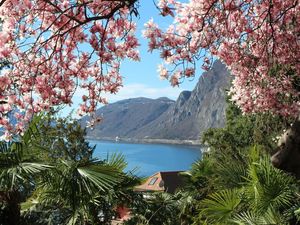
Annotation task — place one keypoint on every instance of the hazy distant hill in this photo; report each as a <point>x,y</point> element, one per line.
<point>184,119</point>
<point>125,118</point>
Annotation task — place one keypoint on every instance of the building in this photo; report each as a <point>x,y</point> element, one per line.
<point>162,181</point>
<point>159,182</point>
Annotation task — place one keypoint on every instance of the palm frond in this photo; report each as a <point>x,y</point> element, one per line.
<point>102,175</point>
<point>31,203</point>
<point>32,130</point>
<point>16,167</point>
<point>220,206</point>
<point>117,160</point>
<point>269,187</point>
<point>247,218</point>
<point>231,175</point>
<point>73,219</point>
<point>33,168</point>
<point>297,213</point>
<point>271,217</point>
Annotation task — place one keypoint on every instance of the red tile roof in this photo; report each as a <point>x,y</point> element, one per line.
<point>167,181</point>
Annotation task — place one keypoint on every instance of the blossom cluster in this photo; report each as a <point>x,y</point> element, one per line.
<point>258,41</point>
<point>54,48</point>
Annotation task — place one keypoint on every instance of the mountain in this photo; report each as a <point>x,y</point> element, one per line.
<point>196,111</point>
<point>184,119</point>
<point>125,118</point>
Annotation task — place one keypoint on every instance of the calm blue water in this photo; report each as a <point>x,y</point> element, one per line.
<point>150,158</point>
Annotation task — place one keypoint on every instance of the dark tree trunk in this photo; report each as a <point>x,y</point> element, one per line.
<point>287,156</point>
<point>11,212</point>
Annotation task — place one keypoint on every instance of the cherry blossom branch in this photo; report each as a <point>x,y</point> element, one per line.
<point>257,40</point>
<point>43,40</point>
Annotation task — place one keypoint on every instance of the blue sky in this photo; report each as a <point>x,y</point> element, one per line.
<point>141,78</point>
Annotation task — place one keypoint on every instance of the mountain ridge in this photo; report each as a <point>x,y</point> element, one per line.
<point>164,119</point>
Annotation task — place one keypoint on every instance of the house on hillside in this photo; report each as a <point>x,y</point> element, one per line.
<point>158,182</point>
<point>162,181</point>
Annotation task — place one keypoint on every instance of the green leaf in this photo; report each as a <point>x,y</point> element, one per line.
<point>220,206</point>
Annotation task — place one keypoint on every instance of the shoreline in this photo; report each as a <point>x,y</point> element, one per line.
<point>149,141</point>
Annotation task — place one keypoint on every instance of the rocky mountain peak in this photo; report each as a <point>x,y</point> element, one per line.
<point>186,119</point>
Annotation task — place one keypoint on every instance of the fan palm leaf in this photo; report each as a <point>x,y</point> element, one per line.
<point>269,187</point>
<point>15,167</point>
<point>77,186</point>
<point>219,207</point>
<point>231,175</point>
<point>117,161</point>
<point>271,217</point>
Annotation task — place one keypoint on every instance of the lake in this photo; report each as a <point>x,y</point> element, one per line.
<point>150,158</point>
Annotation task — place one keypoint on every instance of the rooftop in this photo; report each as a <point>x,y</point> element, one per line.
<point>165,181</point>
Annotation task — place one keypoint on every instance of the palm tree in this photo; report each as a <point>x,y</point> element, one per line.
<point>159,209</point>
<point>18,166</point>
<point>78,189</point>
<point>41,184</point>
<point>265,195</point>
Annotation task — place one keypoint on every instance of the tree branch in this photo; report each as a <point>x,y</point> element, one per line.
<point>2,2</point>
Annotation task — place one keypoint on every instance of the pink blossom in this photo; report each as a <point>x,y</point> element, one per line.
<point>45,44</point>
<point>258,42</point>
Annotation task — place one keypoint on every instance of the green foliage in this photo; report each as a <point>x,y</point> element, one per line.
<point>263,195</point>
<point>18,162</point>
<point>77,188</point>
<point>19,166</point>
<point>55,179</point>
<point>235,183</point>
<point>251,218</point>
<point>242,131</point>
<point>269,187</point>
<point>157,209</point>
<point>219,206</point>
<point>65,139</point>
